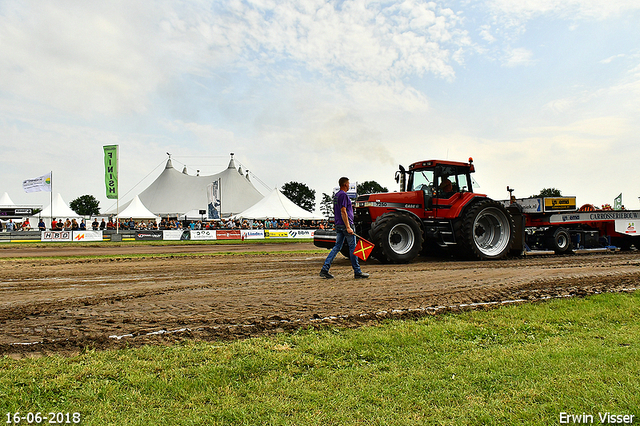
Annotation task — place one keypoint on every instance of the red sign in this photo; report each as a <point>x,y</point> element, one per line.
<point>231,234</point>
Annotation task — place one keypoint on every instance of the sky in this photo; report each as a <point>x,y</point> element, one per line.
<point>541,93</point>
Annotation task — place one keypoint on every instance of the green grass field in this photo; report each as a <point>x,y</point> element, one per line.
<point>523,364</point>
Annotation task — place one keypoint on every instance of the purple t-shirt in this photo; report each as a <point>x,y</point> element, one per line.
<point>342,200</point>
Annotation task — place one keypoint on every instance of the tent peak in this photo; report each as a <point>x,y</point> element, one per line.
<point>169,164</point>
<point>232,163</point>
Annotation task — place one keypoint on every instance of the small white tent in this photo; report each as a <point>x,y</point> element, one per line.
<point>5,201</point>
<point>136,210</point>
<point>277,206</point>
<point>59,211</point>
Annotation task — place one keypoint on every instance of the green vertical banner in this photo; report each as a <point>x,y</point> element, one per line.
<point>111,170</point>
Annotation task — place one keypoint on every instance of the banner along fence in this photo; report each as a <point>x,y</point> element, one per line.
<point>157,235</point>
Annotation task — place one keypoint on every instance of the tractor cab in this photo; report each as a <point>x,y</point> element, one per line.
<point>439,180</point>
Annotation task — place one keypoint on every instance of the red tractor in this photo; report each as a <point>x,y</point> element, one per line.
<point>435,212</point>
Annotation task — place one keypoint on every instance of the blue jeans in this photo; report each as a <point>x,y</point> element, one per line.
<point>341,234</point>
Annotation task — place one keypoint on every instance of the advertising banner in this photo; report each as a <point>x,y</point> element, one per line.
<point>229,234</point>
<point>175,235</point>
<point>213,198</point>
<point>50,236</point>
<point>252,234</point>
<point>559,203</point>
<point>268,233</point>
<point>627,227</point>
<point>80,236</point>
<point>301,233</point>
<point>148,235</point>
<point>111,170</point>
<point>203,235</point>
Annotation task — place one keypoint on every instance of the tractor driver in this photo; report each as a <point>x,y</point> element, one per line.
<point>446,187</point>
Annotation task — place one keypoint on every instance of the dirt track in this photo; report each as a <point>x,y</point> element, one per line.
<point>63,305</point>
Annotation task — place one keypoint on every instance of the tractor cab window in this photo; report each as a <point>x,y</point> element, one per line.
<point>451,180</point>
<point>422,181</point>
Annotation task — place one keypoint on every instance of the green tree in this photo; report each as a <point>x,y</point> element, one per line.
<point>85,205</point>
<point>548,192</point>
<point>300,194</point>
<point>370,187</point>
<point>326,205</point>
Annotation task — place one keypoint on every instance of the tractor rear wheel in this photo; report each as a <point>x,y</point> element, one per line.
<point>397,237</point>
<point>486,231</point>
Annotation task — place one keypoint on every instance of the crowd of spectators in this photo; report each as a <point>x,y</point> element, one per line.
<point>167,224</point>
<point>164,224</point>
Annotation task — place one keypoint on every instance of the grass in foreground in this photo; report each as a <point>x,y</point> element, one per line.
<point>515,365</point>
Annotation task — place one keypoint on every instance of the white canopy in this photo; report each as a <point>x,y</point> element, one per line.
<point>5,201</point>
<point>60,210</point>
<point>277,206</point>
<point>136,210</point>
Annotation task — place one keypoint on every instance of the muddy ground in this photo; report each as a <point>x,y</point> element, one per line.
<point>64,305</point>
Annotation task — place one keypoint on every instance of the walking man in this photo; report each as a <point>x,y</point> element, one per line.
<point>343,212</point>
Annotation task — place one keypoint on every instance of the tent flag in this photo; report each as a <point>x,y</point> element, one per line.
<point>111,170</point>
<point>42,183</point>
<point>363,248</point>
<point>617,203</point>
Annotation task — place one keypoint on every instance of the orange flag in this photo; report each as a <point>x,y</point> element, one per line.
<point>363,248</point>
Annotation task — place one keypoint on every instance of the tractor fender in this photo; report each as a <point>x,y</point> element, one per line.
<point>410,213</point>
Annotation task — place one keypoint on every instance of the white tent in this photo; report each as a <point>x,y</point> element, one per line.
<point>60,210</point>
<point>277,206</point>
<point>137,210</point>
<point>178,193</point>
<point>5,201</point>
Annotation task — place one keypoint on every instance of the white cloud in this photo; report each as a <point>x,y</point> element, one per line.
<point>567,9</point>
<point>82,58</point>
<point>518,56</point>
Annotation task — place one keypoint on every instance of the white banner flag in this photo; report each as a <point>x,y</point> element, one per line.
<point>213,197</point>
<point>42,183</point>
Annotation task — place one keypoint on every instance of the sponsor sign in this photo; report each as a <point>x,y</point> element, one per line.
<point>597,216</point>
<point>228,234</point>
<point>252,234</point>
<point>80,236</point>
<point>148,235</point>
<point>16,212</point>
<point>268,233</point>
<point>552,204</point>
<point>203,234</point>
<point>627,227</point>
<point>300,233</point>
<point>55,236</point>
<point>175,235</point>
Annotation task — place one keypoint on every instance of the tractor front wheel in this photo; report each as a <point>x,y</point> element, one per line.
<point>397,237</point>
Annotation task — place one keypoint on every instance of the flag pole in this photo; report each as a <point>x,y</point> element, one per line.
<point>51,203</point>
